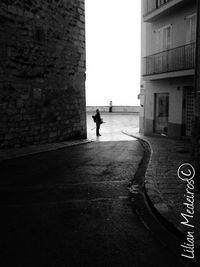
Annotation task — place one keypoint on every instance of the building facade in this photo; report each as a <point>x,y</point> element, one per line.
<point>168,66</point>
<point>42,72</point>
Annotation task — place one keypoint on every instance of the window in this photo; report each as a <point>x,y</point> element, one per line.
<point>162,45</point>
<point>161,2</point>
<point>190,28</point>
<point>163,38</point>
<point>154,4</point>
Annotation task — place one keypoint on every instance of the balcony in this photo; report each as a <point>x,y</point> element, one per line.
<point>151,5</point>
<point>178,59</point>
<point>153,9</point>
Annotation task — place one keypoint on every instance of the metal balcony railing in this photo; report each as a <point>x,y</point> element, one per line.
<point>151,5</point>
<point>176,59</point>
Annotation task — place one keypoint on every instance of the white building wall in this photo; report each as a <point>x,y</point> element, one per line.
<point>175,89</point>
<point>175,99</point>
<point>177,21</point>
<point>174,86</point>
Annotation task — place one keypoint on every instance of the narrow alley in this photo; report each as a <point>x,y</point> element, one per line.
<point>72,207</point>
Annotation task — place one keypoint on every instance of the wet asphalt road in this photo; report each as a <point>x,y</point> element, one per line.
<point>71,207</point>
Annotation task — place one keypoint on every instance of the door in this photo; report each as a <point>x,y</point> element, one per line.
<point>161,112</point>
<point>189,110</point>
<point>190,28</point>
<point>163,44</point>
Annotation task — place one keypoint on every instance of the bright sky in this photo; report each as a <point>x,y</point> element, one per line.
<point>112,52</point>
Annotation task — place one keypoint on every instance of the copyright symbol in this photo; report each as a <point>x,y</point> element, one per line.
<point>186,172</point>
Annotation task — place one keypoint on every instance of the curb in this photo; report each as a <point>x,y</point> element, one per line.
<point>147,188</point>
<point>31,150</point>
<point>163,221</point>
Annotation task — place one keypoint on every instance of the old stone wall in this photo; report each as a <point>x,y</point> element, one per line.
<point>42,71</point>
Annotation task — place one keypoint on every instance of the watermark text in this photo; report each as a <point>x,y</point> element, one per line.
<point>186,173</point>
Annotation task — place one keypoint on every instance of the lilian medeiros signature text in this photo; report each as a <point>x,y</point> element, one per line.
<point>186,173</point>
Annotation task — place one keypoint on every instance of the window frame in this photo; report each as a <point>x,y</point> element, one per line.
<point>189,18</point>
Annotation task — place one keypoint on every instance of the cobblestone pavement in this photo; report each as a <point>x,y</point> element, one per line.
<point>165,190</point>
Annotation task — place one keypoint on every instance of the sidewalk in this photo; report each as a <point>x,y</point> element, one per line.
<point>166,192</point>
<point>111,132</point>
<point>30,150</point>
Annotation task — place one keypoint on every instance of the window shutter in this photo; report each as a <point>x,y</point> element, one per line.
<point>168,30</point>
<point>193,28</point>
<point>188,30</point>
<point>190,25</point>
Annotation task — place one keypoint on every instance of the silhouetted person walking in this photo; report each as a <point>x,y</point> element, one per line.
<point>98,120</point>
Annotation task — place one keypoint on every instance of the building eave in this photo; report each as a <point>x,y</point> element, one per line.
<point>168,75</point>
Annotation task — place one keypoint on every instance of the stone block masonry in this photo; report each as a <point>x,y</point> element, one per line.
<point>42,72</point>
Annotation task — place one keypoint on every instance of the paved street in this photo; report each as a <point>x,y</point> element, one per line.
<point>114,124</point>
<point>72,207</point>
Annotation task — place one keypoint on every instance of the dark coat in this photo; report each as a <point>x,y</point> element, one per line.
<point>97,118</point>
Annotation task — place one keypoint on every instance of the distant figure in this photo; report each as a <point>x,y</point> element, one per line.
<point>110,107</point>
<point>97,118</point>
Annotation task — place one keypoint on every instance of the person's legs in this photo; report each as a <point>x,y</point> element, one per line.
<point>97,129</point>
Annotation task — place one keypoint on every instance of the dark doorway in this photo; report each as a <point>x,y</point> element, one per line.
<point>161,112</point>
